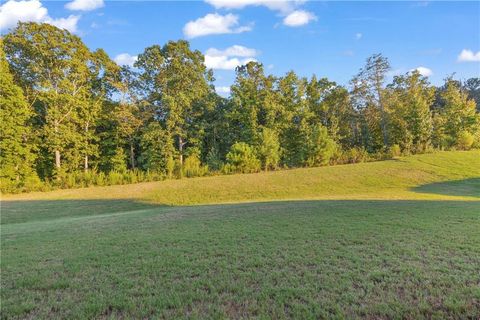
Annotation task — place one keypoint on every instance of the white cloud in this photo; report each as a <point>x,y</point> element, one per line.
<point>214,23</point>
<point>125,59</point>
<point>12,12</point>
<point>229,58</point>
<point>222,90</point>
<point>358,36</point>
<point>225,63</point>
<point>424,71</point>
<point>235,51</point>
<point>298,18</point>
<point>69,23</point>
<point>468,56</point>
<point>84,5</point>
<point>283,6</point>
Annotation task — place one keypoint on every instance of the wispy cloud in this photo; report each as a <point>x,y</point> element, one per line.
<point>424,71</point>
<point>283,6</point>
<point>299,18</point>
<point>223,90</point>
<point>468,56</point>
<point>288,9</point>
<point>230,58</point>
<point>125,59</point>
<point>214,23</point>
<point>84,5</point>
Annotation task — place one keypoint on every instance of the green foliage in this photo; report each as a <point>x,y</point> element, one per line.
<point>409,101</point>
<point>241,159</point>
<point>74,118</point>
<point>177,82</point>
<point>213,160</point>
<point>269,149</point>
<point>157,150</point>
<point>458,114</point>
<point>62,79</point>
<point>16,142</point>
<point>321,147</point>
<point>118,161</point>
<point>464,141</point>
<point>395,151</point>
<point>369,96</point>
<point>192,166</point>
<point>101,247</point>
<point>353,155</point>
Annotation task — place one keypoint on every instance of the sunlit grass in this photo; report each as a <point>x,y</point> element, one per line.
<point>392,179</point>
<point>393,239</point>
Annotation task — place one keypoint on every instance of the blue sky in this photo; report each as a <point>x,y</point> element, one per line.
<point>330,39</point>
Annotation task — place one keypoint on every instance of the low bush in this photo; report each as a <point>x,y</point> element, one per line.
<point>241,159</point>
<point>464,140</point>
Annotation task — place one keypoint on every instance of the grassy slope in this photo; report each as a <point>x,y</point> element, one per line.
<point>393,179</point>
<point>396,248</point>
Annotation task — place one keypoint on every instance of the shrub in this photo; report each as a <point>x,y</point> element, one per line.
<point>269,149</point>
<point>464,140</point>
<point>192,167</point>
<point>115,177</point>
<point>241,159</point>
<point>321,147</point>
<point>354,155</point>
<point>100,179</point>
<point>214,162</point>
<point>118,161</point>
<point>395,151</point>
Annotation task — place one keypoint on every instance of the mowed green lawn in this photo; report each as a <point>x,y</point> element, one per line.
<point>392,239</point>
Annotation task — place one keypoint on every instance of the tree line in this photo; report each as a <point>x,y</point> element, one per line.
<point>72,117</point>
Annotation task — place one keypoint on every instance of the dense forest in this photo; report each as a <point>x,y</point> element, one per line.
<point>72,117</point>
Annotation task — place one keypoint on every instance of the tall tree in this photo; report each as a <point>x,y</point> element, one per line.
<point>409,109</point>
<point>177,82</point>
<point>247,102</point>
<point>369,91</point>
<point>16,146</point>
<point>458,112</point>
<point>296,119</point>
<point>330,104</point>
<point>128,113</point>
<point>472,86</point>
<point>54,68</point>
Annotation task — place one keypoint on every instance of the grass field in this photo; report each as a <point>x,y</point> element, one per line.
<point>393,239</point>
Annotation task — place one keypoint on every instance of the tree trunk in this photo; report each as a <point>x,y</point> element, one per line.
<point>180,150</point>
<point>57,152</point>
<point>85,165</point>
<point>384,129</point>
<point>383,116</point>
<point>132,155</point>
<point>57,159</point>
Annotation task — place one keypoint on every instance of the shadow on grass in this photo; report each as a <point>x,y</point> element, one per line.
<point>37,210</point>
<point>231,254</point>
<point>43,210</point>
<point>466,187</point>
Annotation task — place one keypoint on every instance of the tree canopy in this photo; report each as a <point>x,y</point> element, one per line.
<point>70,116</point>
